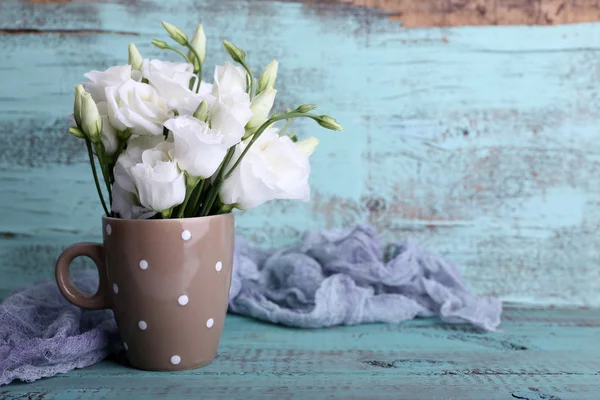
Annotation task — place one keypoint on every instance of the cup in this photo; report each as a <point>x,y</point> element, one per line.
<point>167,282</point>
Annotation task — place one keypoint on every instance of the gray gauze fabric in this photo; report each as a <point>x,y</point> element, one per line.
<point>330,278</point>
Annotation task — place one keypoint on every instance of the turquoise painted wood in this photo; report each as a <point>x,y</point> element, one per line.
<point>537,354</point>
<point>481,142</point>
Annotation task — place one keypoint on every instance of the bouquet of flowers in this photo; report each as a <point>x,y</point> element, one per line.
<point>169,145</point>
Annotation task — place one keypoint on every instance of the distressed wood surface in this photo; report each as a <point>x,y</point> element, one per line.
<point>415,13</point>
<point>536,355</point>
<point>482,142</point>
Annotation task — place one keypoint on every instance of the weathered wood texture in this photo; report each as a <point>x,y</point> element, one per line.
<point>482,142</point>
<point>537,355</point>
<point>415,13</point>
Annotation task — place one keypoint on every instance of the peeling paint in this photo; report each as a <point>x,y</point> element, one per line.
<point>420,13</point>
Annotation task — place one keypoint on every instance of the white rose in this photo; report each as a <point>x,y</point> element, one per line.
<point>137,106</point>
<point>199,150</point>
<point>172,81</point>
<point>127,205</point>
<point>100,80</point>
<point>132,156</point>
<point>229,79</point>
<point>229,115</point>
<point>159,182</point>
<point>273,168</point>
<point>124,192</point>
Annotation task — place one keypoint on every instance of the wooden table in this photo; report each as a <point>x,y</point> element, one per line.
<point>480,142</point>
<point>537,354</point>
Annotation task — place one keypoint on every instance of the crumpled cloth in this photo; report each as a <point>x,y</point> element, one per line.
<point>331,278</point>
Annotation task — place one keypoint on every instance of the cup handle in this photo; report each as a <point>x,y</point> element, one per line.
<point>95,251</point>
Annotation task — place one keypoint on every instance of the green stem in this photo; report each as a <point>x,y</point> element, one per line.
<point>95,173</point>
<point>180,53</point>
<point>249,71</point>
<point>193,205</point>
<point>263,127</point>
<point>214,191</point>
<point>101,154</point>
<point>182,206</point>
<point>285,127</point>
<point>193,50</point>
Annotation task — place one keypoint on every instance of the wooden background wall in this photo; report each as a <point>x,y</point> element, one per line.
<point>481,141</point>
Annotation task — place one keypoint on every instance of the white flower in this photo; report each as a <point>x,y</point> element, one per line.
<point>126,204</point>
<point>199,150</point>
<point>132,156</point>
<point>229,79</point>
<point>124,192</point>
<point>231,110</point>
<point>172,81</point>
<point>229,115</point>
<point>261,106</point>
<point>273,168</point>
<point>159,182</point>
<point>100,80</point>
<point>136,106</point>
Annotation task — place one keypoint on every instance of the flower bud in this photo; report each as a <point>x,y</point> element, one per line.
<point>308,146</point>
<point>268,76</point>
<point>235,52</point>
<point>327,122</point>
<point>199,44</point>
<point>201,112</point>
<point>304,108</point>
<point>161,44</point>
<point>79,90</point>
<point>261,106</point>
<point>90,118</point>
<point>176,34</point>
<point>75,131</point>
<point>135,58</point>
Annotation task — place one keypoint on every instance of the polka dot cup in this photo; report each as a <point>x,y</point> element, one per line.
<point>167,282</point>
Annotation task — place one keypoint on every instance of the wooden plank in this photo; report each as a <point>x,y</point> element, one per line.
<point>443,13</point>
<point>481,142</point>
<point>537,354</point>
<point>424,13</point>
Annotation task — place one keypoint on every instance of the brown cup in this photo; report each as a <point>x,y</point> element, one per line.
<point>167,282</point>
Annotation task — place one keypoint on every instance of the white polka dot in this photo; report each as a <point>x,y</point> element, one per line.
<point>210,323</point>
<point>143,264</point>
<point>183,300</point>
<point>115,288</point>
<point>175,360</point>
<point>108,229</point>
<point>125,346</point>
<point>142,325</point>
<point>186,235</point>
<point>219,266</point>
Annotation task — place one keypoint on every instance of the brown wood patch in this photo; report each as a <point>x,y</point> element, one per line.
<point>422,13</point>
